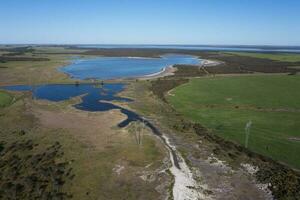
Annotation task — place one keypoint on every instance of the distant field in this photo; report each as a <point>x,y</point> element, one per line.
<point>226,104</point>
<point>5,99</point>
<point>287,57</point>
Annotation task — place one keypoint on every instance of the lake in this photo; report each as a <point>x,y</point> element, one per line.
<point>95,97</point>
<point>104,68</point>
<point>93,94</point>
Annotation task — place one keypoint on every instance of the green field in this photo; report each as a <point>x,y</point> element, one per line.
<point>226,104</point>
<point>5,99</point>
<point>287,57</point>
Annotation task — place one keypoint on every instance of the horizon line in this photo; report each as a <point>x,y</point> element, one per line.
<point>158,44</point>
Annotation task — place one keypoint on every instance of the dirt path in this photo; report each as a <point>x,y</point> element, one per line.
<point>185,187</point>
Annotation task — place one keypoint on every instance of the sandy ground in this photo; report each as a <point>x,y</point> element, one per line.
<point>223,182</point>
<point>185,186</point>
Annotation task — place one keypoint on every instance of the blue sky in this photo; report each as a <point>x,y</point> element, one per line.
<point>254,22</point>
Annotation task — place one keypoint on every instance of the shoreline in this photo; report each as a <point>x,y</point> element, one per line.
<point>157,73</point>
<point>169,70</point>
<point>166,71</point>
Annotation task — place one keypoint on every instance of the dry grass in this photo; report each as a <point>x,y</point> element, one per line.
<point>95,147</point>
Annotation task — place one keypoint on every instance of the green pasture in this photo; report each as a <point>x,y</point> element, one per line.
<point>226,104</point>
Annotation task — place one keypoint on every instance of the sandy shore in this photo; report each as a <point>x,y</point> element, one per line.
<point>169,70</point>
<point>166,71</point>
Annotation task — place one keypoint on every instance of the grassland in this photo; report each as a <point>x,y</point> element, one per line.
<point>39,65</point>
<point>105,161</point>
<point>28,72</point>
<point>285,57</point>
<point>226,104</point>
<point>5,99</point>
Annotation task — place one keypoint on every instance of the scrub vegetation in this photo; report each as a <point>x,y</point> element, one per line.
<point>44,154</point>
<point>286,57</point>
<point>30,172</point>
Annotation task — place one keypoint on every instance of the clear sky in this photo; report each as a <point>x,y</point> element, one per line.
<point>254,22</point>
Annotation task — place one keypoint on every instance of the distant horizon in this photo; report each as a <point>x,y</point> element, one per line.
<point>157,44</point>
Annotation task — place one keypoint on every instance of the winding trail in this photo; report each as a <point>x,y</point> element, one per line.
<point>185,187</point>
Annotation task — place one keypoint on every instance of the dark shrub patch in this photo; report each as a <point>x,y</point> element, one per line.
<point>26,174</point>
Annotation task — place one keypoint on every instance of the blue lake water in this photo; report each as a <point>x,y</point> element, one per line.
<point>91,101</point>
<point>123,67</point>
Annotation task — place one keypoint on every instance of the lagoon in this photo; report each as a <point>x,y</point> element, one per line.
<point>94,97</point>
<point>105,68</point>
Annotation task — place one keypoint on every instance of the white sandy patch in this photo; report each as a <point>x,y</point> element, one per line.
<point>118,169</point>
<point>249,168</point>
<point>136,57</point>
<point>207,63</point>
<point>170,93</point>
<point>262,186</point>
<point>185,187</point>
<point>216,162</point>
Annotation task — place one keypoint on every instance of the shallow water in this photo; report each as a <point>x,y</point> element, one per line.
<point>123,67</point>
<point>92,98</point>
<point>93,94</point>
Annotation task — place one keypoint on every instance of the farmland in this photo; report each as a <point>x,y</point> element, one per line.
<point>226,104</point>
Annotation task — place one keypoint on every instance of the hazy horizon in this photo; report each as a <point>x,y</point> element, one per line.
<point>154,44</point>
